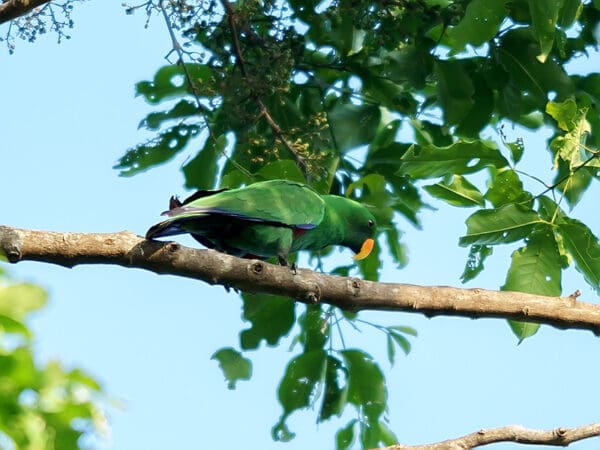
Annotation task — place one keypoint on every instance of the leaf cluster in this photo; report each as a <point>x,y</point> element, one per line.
<point>41,406</point>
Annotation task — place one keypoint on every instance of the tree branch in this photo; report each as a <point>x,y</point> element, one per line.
<point>560,437</point>
<point>11,9</point>
<point>129,250</point>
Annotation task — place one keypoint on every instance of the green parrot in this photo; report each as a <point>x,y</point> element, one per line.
<point>269,218</point>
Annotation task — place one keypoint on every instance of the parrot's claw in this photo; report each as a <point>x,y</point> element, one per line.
<point>229,288</point>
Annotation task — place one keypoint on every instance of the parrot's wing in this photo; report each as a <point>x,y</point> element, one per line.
<point>275,202</point>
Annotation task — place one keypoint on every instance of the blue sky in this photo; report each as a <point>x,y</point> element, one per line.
<point>69,112</point>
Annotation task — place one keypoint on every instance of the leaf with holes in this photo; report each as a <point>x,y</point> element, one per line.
<point>298,387</point>
<point>535,269</point>
<point>475,260</point>
<point>479,24</point>
<point>335,391</point>
<point>272,318</point>
<point>181,110</point>
<point>366,385</point>
<point>156,151</point>
<point>171,81</point>
<point>505,187</point>
<point>509,223</point>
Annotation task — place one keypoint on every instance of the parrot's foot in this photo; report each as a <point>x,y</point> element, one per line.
<point>284,262</point>
<point>229,288</point>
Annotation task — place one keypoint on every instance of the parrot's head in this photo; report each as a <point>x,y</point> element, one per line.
<point>353,223</point>
<point>361,236</point>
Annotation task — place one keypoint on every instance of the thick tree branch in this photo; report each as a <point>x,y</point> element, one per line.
<point>129,250</point>
<point>560,437</point>
<point>11,9</point>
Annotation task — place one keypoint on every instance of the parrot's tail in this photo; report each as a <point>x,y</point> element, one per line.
<point>163,229</point>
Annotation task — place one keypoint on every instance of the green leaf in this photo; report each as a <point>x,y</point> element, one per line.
<point>366,385</point>
<point>201,172</point>
<point>459,192</point>
<point>573,184</point>
<point>171,81</point>
<point>518,54</point>
<point>314,328</point>
<point>404,329</point>
<point>402,342</point>
<point>282,169</point>
<point>455,89</point>
<point>544,16</point>
<point>353,125</point>
<point>17,300</point>
<point>584,248</point>
<point>506,187</point>
<point>480,24</point>
<point>299,385</point>
<point>516,150</point>
<point>385,135</point>
<point>12,326</point>
<point>344,438</point>
<point>334,394</point>
<point>569,147</point>
<point>475,260</point>
<point>565,113</point>
<point>156,151</point>
<point>570,12</point>
<point>427,133</point>
<point>535,269</point>
<point>271,317</point>
<point>397,249</point>
<point>234,366</point>
<point>182,109</point>
<point>461,158</point>
<point>391,349</point>
<point>509,223</point>
<point>523,330</point>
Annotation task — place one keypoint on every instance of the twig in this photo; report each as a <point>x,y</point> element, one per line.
<point>264,111</point>
<point>176,47</point>
<point>11,9</point>
<point>569,175</point>
<point>559,437</point>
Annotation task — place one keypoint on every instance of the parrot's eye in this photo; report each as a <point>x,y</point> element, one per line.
<point>371,223</point>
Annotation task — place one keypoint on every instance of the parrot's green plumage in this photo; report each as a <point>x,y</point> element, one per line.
<point>270,218</point>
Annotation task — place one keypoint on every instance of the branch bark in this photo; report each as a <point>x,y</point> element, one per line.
<point>11,9</point>
<point>129,250</point>
<point>559,437</point>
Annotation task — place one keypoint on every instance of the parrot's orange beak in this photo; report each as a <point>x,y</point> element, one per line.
<point>365,250</point>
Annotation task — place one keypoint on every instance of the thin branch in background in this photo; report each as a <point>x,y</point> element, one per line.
<point>11,9</point>
<point>264,111</point>
<point>203,110</point>
<point>560,437</point>
<point>551,187</point>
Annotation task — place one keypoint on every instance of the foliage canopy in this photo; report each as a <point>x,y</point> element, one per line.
<point>387,102</point>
